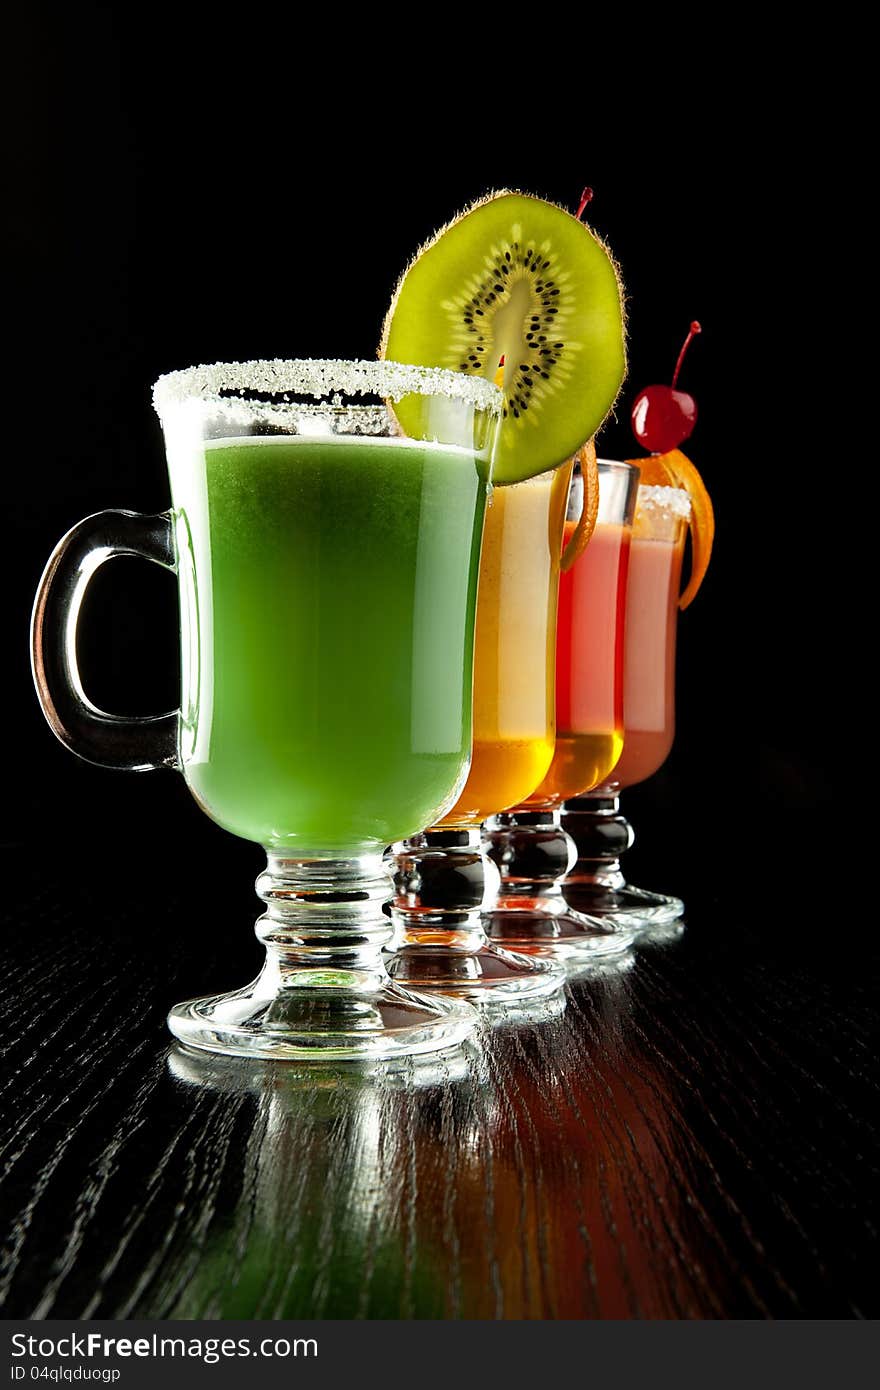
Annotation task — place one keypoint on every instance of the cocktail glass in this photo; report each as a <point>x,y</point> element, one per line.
<point>595,822</point>
<point>327,571</point>
<point>532,850</point>
<point>444,880</point>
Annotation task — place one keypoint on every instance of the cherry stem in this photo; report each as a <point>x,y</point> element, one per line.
<point>586,197</point>
<point>692,333</point>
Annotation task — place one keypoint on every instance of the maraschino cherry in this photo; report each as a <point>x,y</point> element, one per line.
<point>663,418</point>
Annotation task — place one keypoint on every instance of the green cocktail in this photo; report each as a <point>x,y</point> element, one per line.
<point>327,571</point>
<point>328,595</point>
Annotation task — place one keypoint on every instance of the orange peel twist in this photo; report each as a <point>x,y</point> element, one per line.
<point>579,538</point>
<point>675,469</point>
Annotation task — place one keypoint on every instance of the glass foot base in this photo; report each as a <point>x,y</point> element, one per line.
<point>485,976</point>
<point>511,1012</point>
<point>568,937</point>
<point>321,1023</point>
<point>637,906</point>
<point>609,969</point>
<point>660,933</point>
<point>299,1084</point>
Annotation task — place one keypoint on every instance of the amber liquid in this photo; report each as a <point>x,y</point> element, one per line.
<point>501,768</point>
<point>589,668</point>
<point>581,760</point>
<point>514,711</point>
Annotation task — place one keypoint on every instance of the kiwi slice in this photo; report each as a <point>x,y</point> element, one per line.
<point>519,278</point>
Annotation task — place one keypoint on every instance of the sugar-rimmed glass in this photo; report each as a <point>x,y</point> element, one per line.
<point>327,572</point>
<point>595,822</point>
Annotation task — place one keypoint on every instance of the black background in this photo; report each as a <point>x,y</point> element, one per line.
<point>254,189</point>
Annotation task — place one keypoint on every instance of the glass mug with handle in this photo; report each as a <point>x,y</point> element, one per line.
<point>327,575</point>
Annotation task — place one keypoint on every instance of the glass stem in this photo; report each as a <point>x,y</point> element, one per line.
<point>323,990</point>
<point>324,927</point>
<point>443,883</point>
<point>533,854</point>
<point>601,834</point>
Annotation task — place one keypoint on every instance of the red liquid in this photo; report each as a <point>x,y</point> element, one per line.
<point>589,637</point>
<point>649,661</point>
<point>589,667</point>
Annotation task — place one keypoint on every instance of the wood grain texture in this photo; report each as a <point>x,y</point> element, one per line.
<point>693,1137</point>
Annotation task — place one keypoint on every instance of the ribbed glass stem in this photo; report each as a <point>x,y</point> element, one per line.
<point>601,834</point>
<point>324,926</point>
<point>533,854</point>
<point>323,989</point>
<point>443,882</point>
<point>446,887</point>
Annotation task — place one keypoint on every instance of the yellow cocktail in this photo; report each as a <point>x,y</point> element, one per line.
<point>514,652</point>
<point>444,880</point>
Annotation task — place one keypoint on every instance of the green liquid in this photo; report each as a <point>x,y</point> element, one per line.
<point>328,590</point>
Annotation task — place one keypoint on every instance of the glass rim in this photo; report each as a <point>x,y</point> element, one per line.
<point>620,465</point>
<point>319,377</point>
<point>676,498</point>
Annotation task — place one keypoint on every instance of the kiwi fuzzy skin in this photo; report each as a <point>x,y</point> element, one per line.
<point>426,244</point>
<point>472,207</point>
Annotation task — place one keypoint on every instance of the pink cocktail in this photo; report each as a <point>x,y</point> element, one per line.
<point>594,821</point>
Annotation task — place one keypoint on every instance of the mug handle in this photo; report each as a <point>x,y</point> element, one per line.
<point>110,740</point>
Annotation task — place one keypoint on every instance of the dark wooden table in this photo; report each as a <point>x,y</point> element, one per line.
<point>692,1138</point>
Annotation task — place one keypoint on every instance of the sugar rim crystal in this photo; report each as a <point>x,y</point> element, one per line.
<point>319,377</point>
<point>670,499</point>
